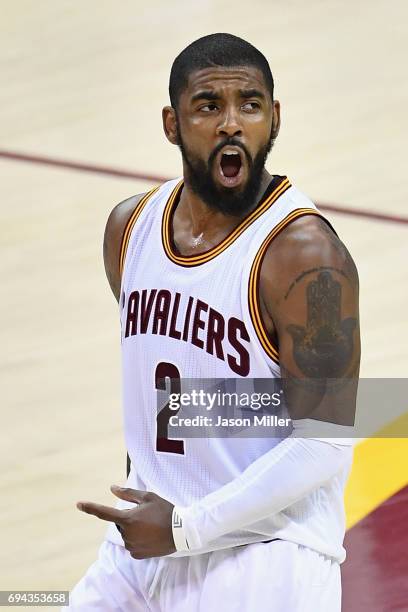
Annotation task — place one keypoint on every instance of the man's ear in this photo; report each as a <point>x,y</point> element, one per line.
<point>170,124</point>
<point>275,119</point>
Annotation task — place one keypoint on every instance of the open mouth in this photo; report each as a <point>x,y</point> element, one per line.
<point>230,167</point>
<point>230,163</point>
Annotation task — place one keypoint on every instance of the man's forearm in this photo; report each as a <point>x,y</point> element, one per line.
<point>274,481</point>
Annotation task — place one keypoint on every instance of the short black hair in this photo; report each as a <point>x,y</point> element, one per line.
<point>215,50</point>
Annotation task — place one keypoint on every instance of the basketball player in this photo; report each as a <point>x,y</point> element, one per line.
<point>229,272</point>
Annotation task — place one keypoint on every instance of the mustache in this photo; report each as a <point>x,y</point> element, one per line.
<point>231,142</point>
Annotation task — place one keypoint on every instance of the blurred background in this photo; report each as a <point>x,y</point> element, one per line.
<point>83,85</point>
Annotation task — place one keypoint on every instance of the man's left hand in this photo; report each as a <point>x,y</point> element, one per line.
<point>146,529</point>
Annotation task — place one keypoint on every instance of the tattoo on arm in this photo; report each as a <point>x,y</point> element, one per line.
<point>323,348</point>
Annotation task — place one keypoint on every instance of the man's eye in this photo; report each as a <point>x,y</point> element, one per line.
<point>208,107</point>
<point>250,106</point>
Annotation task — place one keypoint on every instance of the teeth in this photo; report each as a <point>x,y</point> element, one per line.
<point>230,153</point>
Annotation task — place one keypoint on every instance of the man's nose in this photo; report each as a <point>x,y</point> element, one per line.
<point>229,124</point>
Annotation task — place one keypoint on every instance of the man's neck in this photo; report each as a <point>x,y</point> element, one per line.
<point>194,213</point>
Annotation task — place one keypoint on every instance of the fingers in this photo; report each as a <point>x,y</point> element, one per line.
<point>106,513</point>
<point>130,495</point>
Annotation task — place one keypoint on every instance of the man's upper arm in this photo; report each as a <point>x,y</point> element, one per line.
<point>309,285</point>
<point>112,242</point>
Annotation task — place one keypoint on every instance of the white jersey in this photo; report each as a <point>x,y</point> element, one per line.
<point>194,317</point>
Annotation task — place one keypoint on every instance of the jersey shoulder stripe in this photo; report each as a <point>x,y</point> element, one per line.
<point>253,285</point>
<point>130,225</point>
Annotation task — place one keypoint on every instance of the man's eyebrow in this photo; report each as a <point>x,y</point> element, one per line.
<point>205,95</point>
<point>251,93</point>
<point>213,95</point>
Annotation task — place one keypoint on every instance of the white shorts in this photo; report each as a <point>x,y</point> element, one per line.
<point>278,576</point>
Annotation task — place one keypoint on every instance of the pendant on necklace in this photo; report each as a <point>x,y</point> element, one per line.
<point>197,241</point>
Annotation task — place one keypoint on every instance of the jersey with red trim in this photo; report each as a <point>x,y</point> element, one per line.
<point>198,317</point>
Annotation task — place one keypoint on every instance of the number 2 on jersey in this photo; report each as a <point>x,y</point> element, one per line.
<point>163,442</point>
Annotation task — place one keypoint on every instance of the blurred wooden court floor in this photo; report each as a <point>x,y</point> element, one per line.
<point>85,83</point>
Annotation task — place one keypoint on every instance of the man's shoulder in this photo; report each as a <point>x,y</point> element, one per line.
<point>122,212</point>
<point>112,242</point>
<point>307,233</point>
<point>308,242</point>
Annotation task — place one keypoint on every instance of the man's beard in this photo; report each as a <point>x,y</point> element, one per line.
<point>223,199</point>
